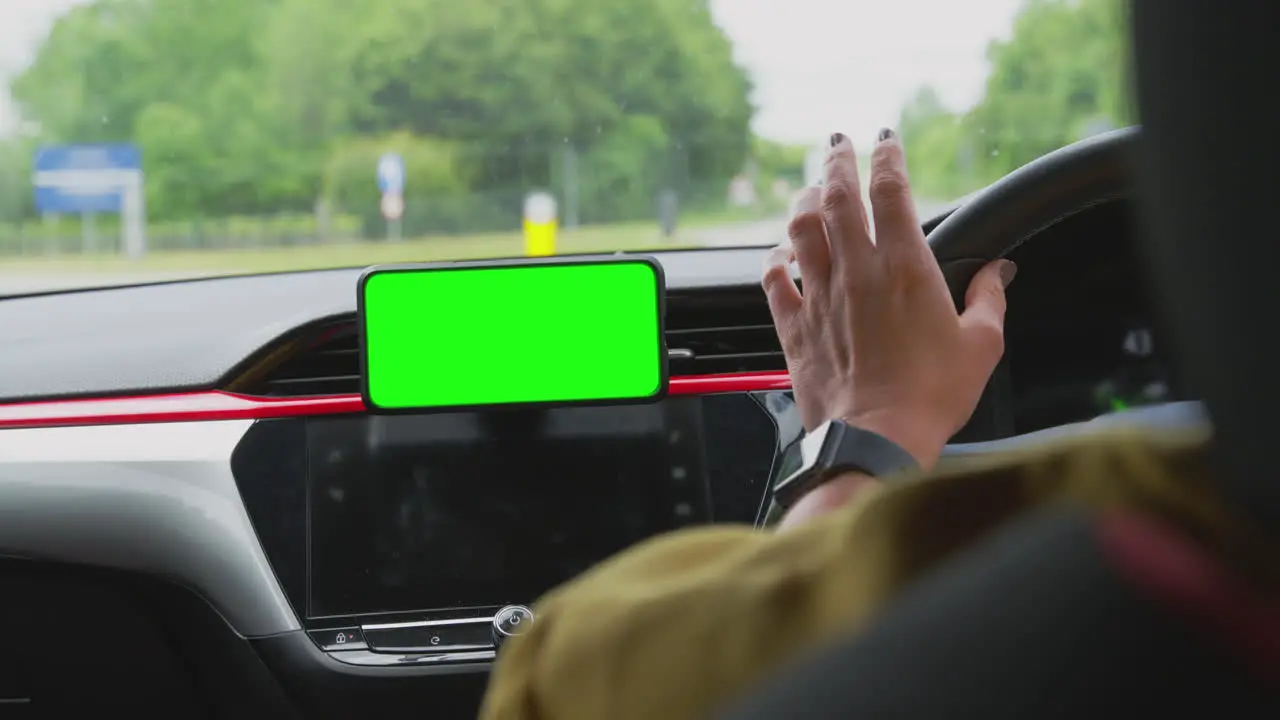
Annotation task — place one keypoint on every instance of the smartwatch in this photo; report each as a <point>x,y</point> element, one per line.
<point>835,448</point>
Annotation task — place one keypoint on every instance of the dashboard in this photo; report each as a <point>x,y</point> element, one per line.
<point>188,467</point>
<point>1082,338</point>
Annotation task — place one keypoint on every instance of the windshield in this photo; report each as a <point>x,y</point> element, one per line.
<point>151,139</point>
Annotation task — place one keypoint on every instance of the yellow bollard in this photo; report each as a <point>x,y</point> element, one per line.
<point>539,225</point>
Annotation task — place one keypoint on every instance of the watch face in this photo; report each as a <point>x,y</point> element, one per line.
<point>800,457</point>
<point>811,444</point>
<point>798,464</point>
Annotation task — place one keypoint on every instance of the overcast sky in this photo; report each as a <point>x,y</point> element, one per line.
<point>819,65</point>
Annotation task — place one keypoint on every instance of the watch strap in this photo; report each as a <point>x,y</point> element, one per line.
<point>867,452</point>
<point>836,448</point>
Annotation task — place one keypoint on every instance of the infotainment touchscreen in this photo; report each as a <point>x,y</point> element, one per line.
<point>474,509</point>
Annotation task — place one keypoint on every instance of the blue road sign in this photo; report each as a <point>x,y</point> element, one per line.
<point>391,174</point>
<point>84,178</point>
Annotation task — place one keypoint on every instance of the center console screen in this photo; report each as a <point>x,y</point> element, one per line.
<point>419,512</point>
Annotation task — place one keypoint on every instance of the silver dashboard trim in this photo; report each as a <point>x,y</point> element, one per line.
<point>367,658</point>
<point>157,498</point>
<point>428,623</point>
<point>384,649</point>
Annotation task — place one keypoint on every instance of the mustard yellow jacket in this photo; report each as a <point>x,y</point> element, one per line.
<point>677,626</point>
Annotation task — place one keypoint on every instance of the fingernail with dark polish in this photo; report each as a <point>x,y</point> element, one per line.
<point>1008,271</point>
<point>885,134</point>
<point>836,139</point>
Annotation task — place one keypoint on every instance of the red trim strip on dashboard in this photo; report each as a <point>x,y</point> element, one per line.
<point>217,405</point>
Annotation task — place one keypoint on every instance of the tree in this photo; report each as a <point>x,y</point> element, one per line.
<point>15,174</point>
<point>240,105</point>
<point>522,76</point>
<point>1061,72</point>
<point>1063,67</point>
<point>939,155</point>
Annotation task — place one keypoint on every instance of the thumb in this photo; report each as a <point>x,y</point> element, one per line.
<point>984,303</point>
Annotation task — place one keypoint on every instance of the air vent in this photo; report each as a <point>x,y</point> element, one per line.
<point>709,332</point>
<point>725,330</point>
<point>326,364</point>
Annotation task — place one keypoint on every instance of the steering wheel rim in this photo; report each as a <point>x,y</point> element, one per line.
<point>1036,196</point>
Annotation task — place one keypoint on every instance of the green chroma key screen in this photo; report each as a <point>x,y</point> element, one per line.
<point>512,333</point>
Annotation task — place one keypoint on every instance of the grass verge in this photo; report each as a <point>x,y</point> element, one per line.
<point>605,238</point>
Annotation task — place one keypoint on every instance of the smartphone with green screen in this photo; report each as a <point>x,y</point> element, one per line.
<point>512,333</point>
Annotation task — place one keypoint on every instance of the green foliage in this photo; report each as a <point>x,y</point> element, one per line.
<point>262,106</point>
<point>939,160</point>
<point>778,160</point>
<point>1063,68</point>
<point>15,174</point>
<point>623,171</point>
<point>1060,75</point>
<point>431,167</point>
<point>437,178</point>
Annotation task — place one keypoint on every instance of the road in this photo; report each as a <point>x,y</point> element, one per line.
<point>755,232</point>
<point>774,230</point>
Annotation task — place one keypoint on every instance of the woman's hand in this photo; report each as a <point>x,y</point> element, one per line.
<point>875,339</point>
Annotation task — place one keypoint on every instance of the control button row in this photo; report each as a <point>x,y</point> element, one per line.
<point>458,635</point>
<point>430,637</point>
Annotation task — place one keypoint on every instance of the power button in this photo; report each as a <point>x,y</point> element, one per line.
<point>510,621</point>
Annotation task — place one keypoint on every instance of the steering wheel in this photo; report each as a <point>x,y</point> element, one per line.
<point>1014,210</point>
<point>1024,202</point>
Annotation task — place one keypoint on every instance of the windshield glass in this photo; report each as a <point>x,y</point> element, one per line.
<point>148,139</point>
